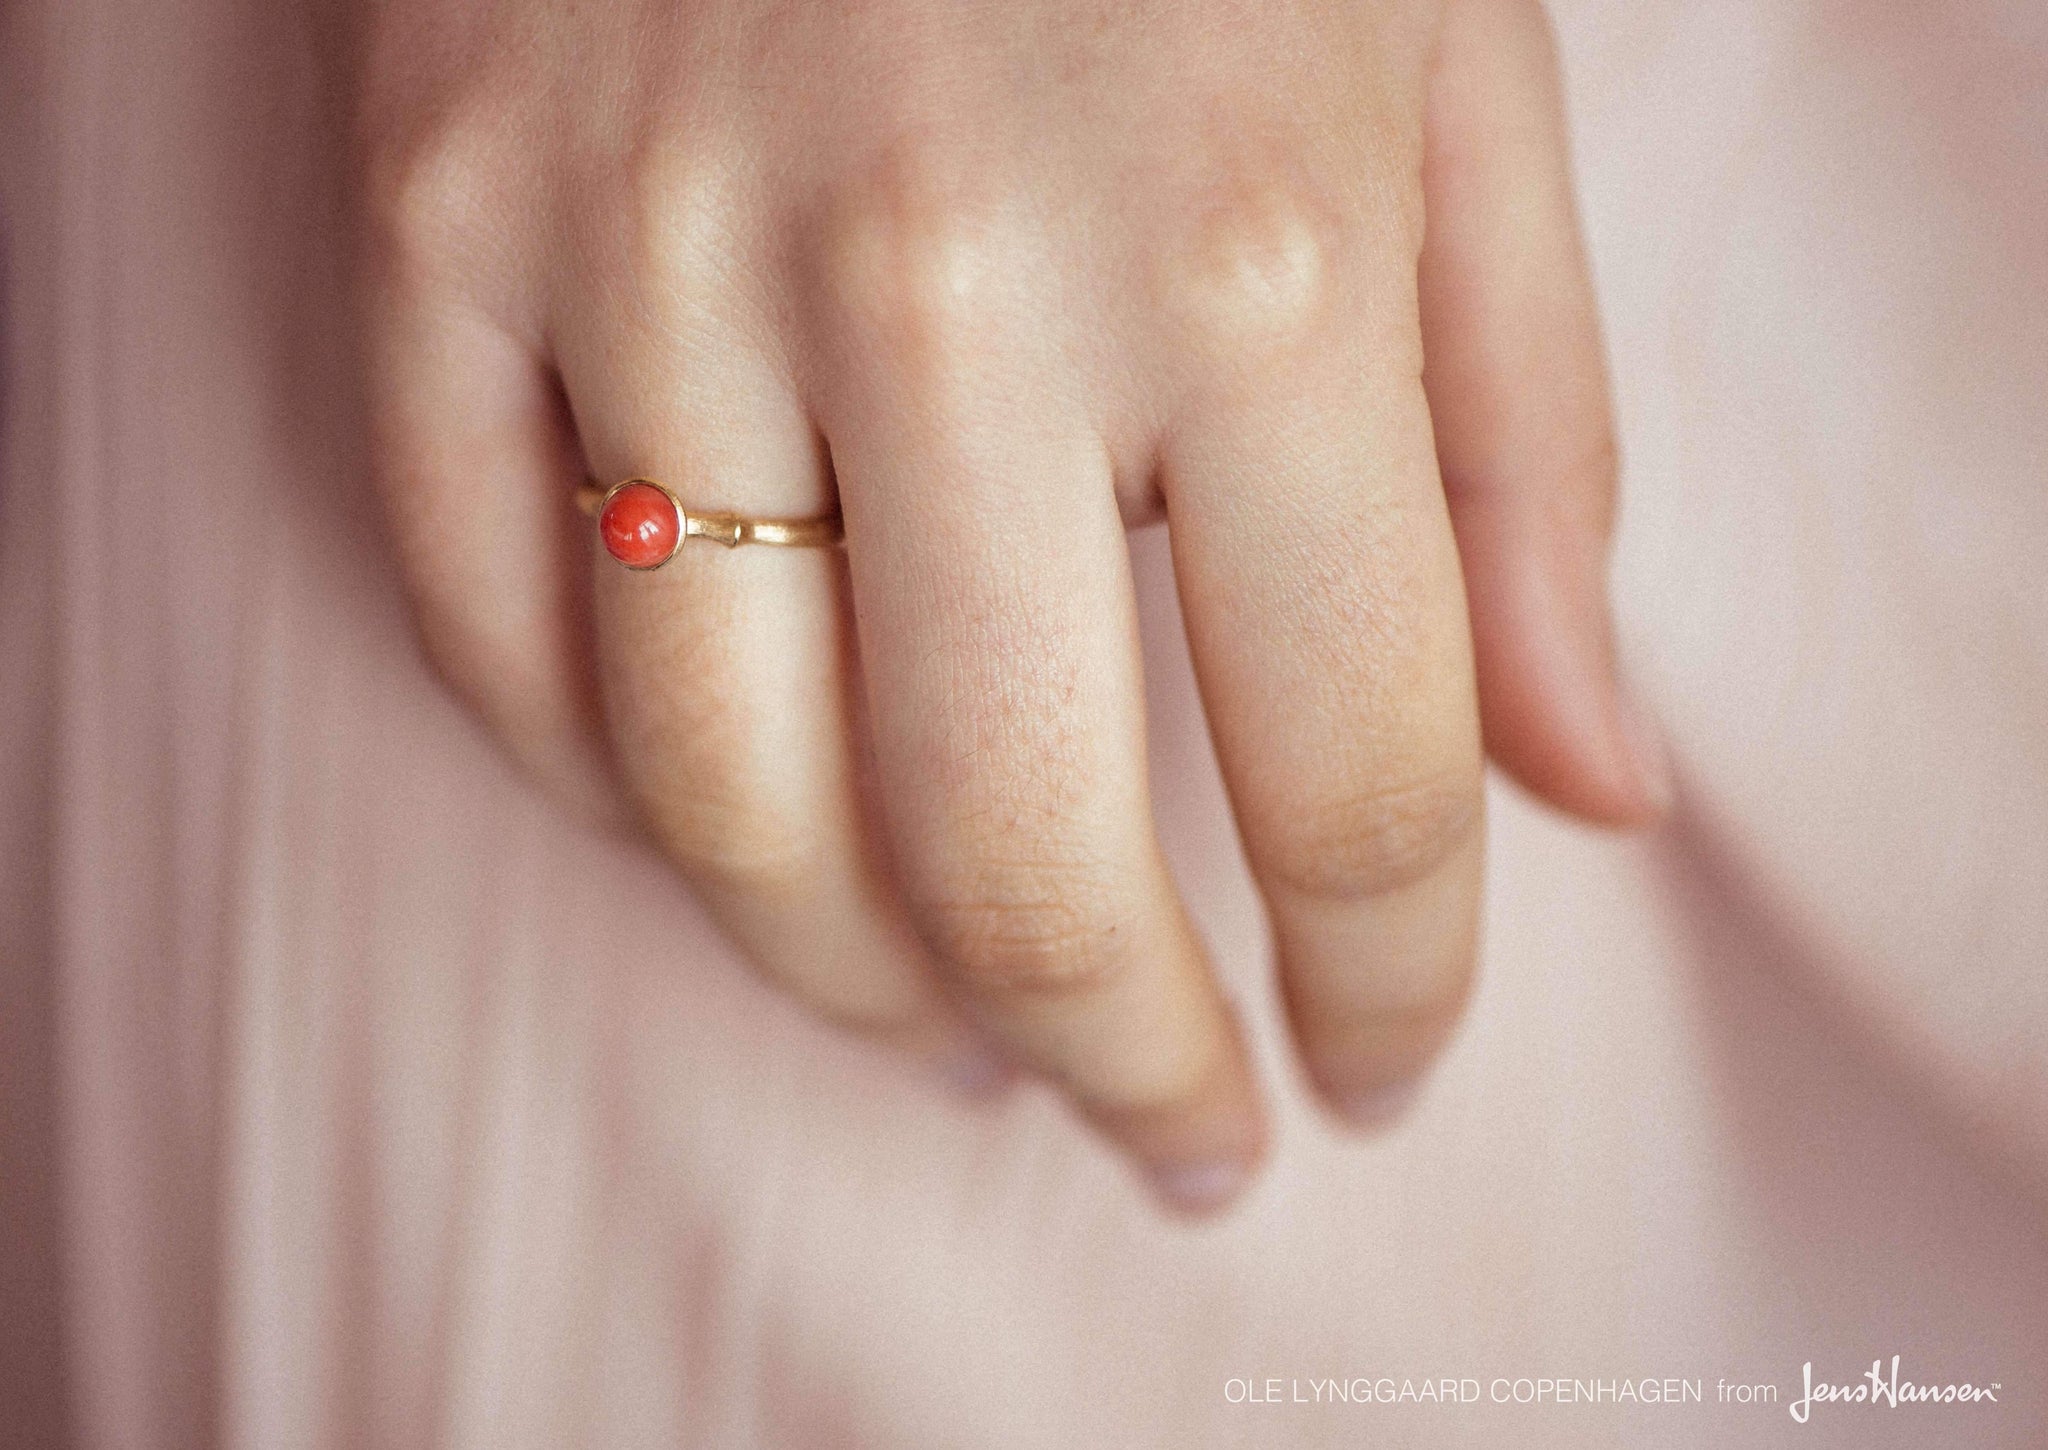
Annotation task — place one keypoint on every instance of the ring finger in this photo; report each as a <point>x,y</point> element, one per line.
<point>725,678</point>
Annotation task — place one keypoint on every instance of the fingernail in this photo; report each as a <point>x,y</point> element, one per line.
<point>1379,1107</point>
<point>1652,754</point>
<point>1200,1187</point>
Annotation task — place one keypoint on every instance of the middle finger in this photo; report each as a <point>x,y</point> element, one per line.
<point>998,635</point>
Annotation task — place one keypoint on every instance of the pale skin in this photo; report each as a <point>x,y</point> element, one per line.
<point>999,281</point>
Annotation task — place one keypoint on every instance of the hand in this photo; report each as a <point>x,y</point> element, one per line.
<point>1001,281</point>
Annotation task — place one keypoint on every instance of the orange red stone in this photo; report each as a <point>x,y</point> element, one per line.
<point>641,526</point>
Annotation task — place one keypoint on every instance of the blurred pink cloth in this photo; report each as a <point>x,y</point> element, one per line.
<point>353,1098</point>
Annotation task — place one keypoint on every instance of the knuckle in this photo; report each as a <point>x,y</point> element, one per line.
<point>915,252</point>
<point>1377,841</point>
<point>1256,268</point>
<point>1040,931</point>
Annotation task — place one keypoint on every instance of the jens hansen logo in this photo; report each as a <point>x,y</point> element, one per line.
<point>1877,1389</point>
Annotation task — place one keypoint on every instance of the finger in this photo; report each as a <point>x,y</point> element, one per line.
<point>1320,585</point>
<point>472,455</point>
<point>726,681</point>
<point>1518,387</point>
<point>998,632</point>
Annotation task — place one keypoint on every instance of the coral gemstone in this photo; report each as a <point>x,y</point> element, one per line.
<point>640,526</point>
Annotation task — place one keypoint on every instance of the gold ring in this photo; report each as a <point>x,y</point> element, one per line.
<point>643,523</point>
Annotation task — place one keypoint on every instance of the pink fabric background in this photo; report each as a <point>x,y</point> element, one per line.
<point>350,1097</point>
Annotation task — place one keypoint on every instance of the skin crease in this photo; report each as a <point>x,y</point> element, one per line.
<point>1000,281</point>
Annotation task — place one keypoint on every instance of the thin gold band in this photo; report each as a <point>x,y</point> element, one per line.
<point>732,530</point>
